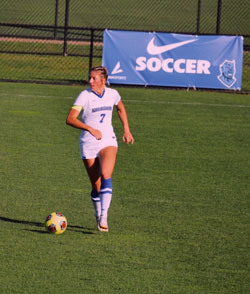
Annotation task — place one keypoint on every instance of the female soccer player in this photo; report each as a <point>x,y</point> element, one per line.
<point>98,144</point>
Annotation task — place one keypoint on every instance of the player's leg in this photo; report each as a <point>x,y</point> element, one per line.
<point>93,169</point>
<point>107,159</point>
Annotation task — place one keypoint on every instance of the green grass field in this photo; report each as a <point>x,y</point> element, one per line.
<point>163,15</point>
<point>179,219</point>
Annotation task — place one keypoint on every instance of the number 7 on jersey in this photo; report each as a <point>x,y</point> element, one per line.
<point>102,117</point>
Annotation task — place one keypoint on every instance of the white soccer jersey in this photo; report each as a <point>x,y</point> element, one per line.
<point>97,113</point>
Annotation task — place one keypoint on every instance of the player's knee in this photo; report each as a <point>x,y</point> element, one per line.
<point>106,173</point>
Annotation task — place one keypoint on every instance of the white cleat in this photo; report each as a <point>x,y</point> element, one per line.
<point>103,224</point>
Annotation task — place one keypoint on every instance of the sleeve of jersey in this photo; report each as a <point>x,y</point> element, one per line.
<point>117,98</point>
<point>77,107</point>
<point>80,101</point>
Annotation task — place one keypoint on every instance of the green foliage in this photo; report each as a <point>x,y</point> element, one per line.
<point>179,219</point>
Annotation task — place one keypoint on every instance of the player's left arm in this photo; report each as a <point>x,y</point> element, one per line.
<point>127,136</point>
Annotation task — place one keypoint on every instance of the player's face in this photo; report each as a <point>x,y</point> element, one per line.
<point>96,81</point>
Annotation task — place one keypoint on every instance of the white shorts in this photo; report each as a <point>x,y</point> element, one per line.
<point>88,152</point>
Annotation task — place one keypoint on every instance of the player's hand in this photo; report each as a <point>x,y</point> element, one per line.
<point>96,133</point>
<point>128,138</point>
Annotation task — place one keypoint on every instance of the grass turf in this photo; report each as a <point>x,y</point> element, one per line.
<point>162,15</point>
<point>179,220</point>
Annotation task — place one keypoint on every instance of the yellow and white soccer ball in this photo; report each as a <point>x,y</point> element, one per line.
<point>56,223</point>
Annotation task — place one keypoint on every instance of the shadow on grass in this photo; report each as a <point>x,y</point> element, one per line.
<point>78,229</point>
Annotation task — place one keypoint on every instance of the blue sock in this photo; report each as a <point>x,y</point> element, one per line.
<point>95,197</point>
<point>105,195</point>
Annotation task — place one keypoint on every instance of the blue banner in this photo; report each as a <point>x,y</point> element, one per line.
<point>178,60</point>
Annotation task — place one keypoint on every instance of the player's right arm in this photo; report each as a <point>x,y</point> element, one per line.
<point>72,120</point>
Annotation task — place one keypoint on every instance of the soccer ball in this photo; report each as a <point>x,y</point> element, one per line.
<point>56,223</point>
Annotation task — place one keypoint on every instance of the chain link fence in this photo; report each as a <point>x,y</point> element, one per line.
<point>57,41</point>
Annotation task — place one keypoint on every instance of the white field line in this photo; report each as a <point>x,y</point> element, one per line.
<point>38,96</point>
<point>189,103</point>
<point>140,101</point>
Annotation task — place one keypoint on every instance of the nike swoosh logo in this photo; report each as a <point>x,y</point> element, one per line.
<point>154,49</point>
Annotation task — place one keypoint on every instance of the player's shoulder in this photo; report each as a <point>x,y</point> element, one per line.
<point>83,97</point>
<point>85,92</point>
<point>111,91</point>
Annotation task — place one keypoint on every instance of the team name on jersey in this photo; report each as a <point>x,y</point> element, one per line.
<point>102,108</point>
